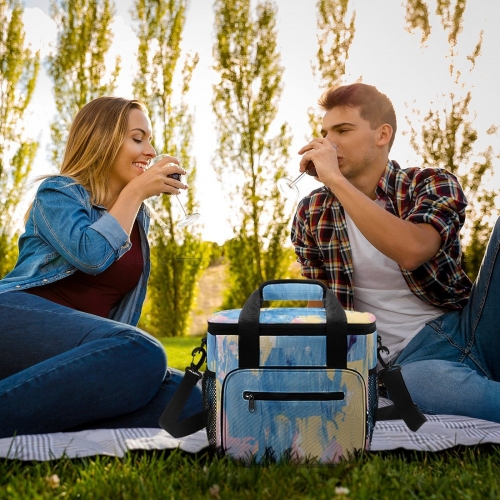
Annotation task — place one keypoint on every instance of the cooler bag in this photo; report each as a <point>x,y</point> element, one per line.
<point>290,382</point>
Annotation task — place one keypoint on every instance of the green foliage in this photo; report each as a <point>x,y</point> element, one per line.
<point>333,49</point>
<point>78,67</point>
<point>173,283</point>
<point>217,255</point>
<point>178,255</point>
<point>447,139</point>
<point>249,158</point>
<point>18,74</point>
<point>8,252</point>
<point>417,17</point>
<point>452,22</point>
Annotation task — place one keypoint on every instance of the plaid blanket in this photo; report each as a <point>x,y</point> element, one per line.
<point>438,433</point>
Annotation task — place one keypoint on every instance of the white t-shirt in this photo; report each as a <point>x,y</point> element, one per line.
<point>380,288</point>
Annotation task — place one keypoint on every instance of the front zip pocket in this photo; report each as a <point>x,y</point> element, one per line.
<point>252,396</point>
<point>306,411</point>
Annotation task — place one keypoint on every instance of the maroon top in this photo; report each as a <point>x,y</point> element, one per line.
<point>98,294</point>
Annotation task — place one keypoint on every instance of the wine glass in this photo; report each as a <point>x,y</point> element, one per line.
<point>288,187</point>
<point>188,218</point>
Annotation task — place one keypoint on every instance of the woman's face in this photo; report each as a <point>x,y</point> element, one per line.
<point>134,153</point>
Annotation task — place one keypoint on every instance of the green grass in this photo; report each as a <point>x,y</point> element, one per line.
<point>461,473</point>
<point>470,473</point>
<point>179,351</point>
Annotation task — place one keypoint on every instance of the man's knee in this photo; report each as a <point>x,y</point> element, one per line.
<point>438,386</point>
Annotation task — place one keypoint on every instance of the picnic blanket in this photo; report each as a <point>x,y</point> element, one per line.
<point>440,432</point>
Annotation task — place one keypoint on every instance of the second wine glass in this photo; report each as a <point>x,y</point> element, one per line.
<point>288,187</point>
<point>188,218</point>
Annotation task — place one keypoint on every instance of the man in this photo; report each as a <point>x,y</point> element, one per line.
<point>386,241</point>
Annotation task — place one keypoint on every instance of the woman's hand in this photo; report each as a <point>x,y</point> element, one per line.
<point>156,179</point>
<point>152,182</point>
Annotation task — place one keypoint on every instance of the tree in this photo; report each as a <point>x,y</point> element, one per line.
<point>448,135</point>
<point>248,158</point>
<point>78,67</point>
<point>178,255</point>
<point>335,36</point>
<point>18,74</point>
<point>417,16</point>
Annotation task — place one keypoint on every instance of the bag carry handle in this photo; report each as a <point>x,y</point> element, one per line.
<point>335,327</point>
<point>293,289</point>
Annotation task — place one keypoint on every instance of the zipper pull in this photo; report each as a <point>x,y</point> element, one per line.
<point>251,401</point>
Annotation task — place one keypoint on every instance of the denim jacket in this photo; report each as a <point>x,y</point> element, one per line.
<point>66,232</point>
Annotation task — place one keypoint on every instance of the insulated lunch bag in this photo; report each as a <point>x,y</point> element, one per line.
<point>295,383</point>
<point>291,382</point>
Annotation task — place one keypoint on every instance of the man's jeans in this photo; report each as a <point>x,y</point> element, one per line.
<point>452,366</point>
<point>62,369</point>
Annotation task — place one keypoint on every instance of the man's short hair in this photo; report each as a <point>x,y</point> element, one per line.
<point>374,107</point>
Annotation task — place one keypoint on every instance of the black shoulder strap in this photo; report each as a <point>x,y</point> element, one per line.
<point>169,419</point>
<point>403,407</point>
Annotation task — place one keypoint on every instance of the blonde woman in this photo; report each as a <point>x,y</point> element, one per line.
<point>70,354</point>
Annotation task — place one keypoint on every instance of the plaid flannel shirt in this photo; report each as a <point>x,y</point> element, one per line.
<point>420,195</point>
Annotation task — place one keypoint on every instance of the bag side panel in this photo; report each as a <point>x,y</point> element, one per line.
<point>222,358</point>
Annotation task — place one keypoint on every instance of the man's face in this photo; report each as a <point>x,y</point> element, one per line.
<point>355,139</point>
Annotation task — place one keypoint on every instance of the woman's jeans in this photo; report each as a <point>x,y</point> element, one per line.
<point>62,369</point>
<point>452,366</point>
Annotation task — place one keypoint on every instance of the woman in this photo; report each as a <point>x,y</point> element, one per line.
<point>70,354</point>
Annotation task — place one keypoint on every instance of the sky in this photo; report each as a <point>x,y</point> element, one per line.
<point>383,54</point>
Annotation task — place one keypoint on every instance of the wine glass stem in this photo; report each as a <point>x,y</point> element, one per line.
<point>294,182</point>
<point>182,206</point>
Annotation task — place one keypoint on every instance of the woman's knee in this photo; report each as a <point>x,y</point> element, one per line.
<point>149,355</point>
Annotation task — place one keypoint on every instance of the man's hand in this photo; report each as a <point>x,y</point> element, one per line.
<point>323,154</point>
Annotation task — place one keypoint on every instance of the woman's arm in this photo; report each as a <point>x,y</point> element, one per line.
<point>152,182</point>
<point>65,219</point>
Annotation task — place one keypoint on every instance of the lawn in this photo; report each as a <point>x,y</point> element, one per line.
<point>470,473</point>
<point>179,350</point>
<point>462,473</point>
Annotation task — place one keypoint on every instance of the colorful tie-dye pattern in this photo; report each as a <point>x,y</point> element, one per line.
<point>324,430</point>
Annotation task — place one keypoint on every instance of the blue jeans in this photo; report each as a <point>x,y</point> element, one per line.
<point>452,366</point>
<point>62,369</point>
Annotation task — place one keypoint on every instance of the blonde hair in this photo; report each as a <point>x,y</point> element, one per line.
<point>95,137</point>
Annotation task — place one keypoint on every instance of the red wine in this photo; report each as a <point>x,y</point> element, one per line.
<point>177,177</point>
<point>311,169</point>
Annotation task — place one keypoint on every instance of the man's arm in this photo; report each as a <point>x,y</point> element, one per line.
<point>407,243</point>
